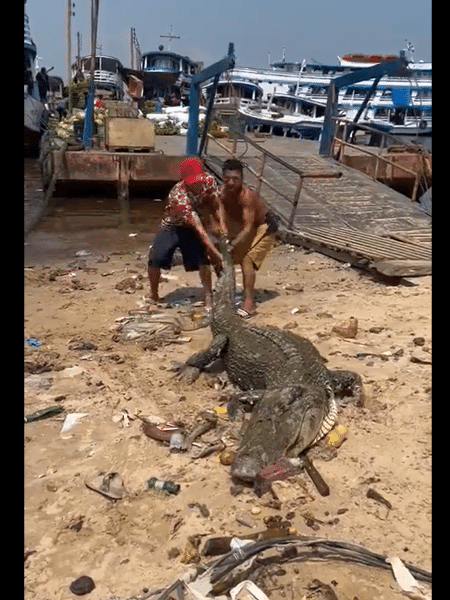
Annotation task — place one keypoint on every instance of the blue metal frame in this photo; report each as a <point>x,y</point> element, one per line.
<point>212,71</point>
<point>374,72</point>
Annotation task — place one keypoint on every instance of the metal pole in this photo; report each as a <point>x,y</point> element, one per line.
<point>68,34</point>
<point>295,202</point>
<point>261,173</point>
<point>89,112</point>
<point>208,114</point>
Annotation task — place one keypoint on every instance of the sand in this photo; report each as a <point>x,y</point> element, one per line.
<point>136,543</point>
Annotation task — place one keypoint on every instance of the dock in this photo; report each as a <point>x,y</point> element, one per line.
<point>331,208</point>
<point>322,204</point>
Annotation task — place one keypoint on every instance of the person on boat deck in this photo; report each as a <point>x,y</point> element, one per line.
<point>43,83</point>
<point>192,205</point>
<point>249,226</point>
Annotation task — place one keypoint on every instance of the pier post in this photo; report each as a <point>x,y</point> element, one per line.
<point>123,182</point>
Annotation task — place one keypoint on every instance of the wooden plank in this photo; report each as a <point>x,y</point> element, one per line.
<point>403,268</point>
<point>375,246</point>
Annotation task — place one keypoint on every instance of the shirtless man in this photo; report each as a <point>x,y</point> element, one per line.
<point>246,221</point>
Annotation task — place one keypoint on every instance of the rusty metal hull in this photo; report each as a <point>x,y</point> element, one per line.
<point>388,174</point>
<point>94,167</point>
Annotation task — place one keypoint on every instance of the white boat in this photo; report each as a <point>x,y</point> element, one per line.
<point>402,104</point>
<point>286,115</point>
<point>35,112</point>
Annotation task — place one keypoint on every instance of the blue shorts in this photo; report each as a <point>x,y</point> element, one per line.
<point>168,239</point>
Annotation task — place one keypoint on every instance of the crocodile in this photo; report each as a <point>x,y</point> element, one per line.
<point>280,375</point>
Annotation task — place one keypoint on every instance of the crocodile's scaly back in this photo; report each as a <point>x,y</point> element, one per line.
<point>286,375</point>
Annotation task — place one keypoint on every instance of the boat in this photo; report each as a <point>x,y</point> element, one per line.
<point>232,94</point>
<point>167,76</point>
<point>110,77</point>
<point>35,111</point>
<point>286,115</point>
<point>401,104</point>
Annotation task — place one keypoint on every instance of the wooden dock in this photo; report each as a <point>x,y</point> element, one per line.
<point>332,208</point>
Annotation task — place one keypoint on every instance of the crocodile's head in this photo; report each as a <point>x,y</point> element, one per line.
<point>283,423</point>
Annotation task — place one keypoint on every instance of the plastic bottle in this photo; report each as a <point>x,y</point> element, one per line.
<point>44,413</point>
<point>163,486</point>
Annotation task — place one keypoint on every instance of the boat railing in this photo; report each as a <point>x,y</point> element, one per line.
<point>265,155</point>
<point>344,129</point>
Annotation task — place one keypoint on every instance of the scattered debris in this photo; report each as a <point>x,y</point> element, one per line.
<point>325,590</point>
<point>347,329</point>
<point>204,510</point>
<point>44,413</point>
<point>209,422</point>
<point>82,585</point>
<point>247,590</point>
<point>336,437</point>
<point>161,432</point>
<point>71,420</point>
<point>81,345</point>
<point>245,520</point>
<point>209,449</point>
<point>421,357</point>
<point>226,457</point>
<point>190,553</point>
<point>374,495</point>
<point>168,487</point>
<point>109,485</point>
<point>411,588</point>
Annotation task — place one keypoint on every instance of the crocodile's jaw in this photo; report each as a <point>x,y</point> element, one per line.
<point>245,467</point>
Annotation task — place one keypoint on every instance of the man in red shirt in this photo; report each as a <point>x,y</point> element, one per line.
<point>192,204</point>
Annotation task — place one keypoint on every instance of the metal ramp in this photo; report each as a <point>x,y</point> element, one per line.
<point>340,212</point>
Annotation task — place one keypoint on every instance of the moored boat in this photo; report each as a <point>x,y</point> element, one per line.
<point>110,77</point>
<point>285,115</point>
<point>35,112</point>
<point>402,103</point>
<point>167,75</point>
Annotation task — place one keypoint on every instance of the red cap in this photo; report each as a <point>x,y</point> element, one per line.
<point>191,170</point>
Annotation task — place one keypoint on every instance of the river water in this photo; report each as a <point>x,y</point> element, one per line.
<point>94,223</point>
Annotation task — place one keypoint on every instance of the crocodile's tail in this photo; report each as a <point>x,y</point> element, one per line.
<point>224,291</point>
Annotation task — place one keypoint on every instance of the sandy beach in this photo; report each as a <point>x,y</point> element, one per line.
<point>75,358</point>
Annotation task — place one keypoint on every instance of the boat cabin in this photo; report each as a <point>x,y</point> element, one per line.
<point>109,76</point>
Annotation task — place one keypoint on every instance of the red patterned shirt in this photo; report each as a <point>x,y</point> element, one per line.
<point>182,204</point>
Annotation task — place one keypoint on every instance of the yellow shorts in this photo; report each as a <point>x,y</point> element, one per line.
<point>257,245</point>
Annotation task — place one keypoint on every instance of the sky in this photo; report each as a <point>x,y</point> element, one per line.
<point>261,30</point>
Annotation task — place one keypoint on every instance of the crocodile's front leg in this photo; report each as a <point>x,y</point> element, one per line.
<point>199,361</point>
<point>348,383</point>
<point>245,400</point>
